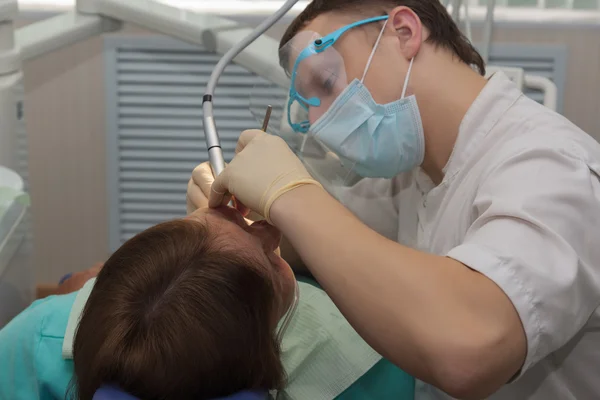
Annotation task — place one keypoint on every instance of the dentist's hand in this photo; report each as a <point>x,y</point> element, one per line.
<point>198,191</point>
<point>263,170</point>
<point>199,187</point>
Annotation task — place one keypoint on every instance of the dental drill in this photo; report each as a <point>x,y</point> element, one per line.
<point>213,144</point>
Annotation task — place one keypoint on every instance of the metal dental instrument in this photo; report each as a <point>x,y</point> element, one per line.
<point>267,118</point>
<point>215,153</point>
<point>264,129</point>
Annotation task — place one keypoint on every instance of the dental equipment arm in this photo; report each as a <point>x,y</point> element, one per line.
<point>54,33</point>
<point>171,21</point>
<point>213,144</point>
<point>94,17</point>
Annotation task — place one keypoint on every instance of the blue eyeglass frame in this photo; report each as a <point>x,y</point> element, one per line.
<point>318,46</point>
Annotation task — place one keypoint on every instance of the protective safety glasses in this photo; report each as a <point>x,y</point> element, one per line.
<point>318,75</point>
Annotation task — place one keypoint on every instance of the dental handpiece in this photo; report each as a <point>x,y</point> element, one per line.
<point>216,157</point>
<point>215,153</point>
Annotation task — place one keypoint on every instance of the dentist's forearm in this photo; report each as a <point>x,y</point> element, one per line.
<point>291,256</point>
<point>430,315</point>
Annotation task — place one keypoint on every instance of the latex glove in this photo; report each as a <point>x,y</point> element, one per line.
<point>198,191</point>
<point>199,187</point>
<point>263,170</point>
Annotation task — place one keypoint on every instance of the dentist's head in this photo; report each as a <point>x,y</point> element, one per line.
<point>414,27</point>
<point>384,83</point>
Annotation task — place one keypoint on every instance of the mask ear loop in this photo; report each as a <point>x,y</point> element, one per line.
<point>362,80</point>
<point>373,52</point>
<point>407,76</point>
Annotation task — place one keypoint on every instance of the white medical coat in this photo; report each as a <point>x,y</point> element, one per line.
<point>520,203</point>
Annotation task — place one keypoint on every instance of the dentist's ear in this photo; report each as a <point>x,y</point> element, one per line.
<point>409,30</point>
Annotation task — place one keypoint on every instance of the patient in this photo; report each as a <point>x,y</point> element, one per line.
<point>189,309</point>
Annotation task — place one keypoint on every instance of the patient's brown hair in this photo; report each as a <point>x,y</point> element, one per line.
<point>175,316</point>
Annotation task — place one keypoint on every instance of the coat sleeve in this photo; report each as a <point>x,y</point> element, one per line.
<point>30,352</point>
<point>536,236</point>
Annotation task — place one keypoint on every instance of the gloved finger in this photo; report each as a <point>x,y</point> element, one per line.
<point>189,206</point>
<point>219,191</point>
<point>219,199</point>
<point>246,137</point>
<point>195,197</point>
<point>203,177</point>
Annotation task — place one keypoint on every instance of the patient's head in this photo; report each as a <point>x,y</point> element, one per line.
<point>187,309</point>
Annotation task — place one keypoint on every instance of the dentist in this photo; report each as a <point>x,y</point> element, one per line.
<point>471,260</point>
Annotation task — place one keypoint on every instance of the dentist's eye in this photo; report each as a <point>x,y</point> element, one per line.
<point>328,83</point>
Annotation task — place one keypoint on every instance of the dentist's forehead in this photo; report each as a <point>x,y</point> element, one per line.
<point>292,49</point>
<point>321,26</point>
<point>328,23</point>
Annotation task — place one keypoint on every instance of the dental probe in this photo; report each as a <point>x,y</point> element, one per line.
<point>265,125</point>
<point>267,118</point>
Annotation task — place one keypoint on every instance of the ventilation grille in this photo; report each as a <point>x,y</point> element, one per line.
<point>156,135</point>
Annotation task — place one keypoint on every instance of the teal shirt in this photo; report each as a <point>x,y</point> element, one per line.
<point>31,352</point>
<point>33,366</point>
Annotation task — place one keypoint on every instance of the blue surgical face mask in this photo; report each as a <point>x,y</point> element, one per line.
<point>374,140</point>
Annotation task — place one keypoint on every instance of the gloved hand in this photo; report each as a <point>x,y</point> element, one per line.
<point>199,187</point>
<point>263,170</point>
<point>198,191</point>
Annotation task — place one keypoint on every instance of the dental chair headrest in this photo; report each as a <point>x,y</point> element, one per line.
<point>113,393</point>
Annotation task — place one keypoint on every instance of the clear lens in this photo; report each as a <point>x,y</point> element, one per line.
<point>318,78</point>
<point>266,94</point>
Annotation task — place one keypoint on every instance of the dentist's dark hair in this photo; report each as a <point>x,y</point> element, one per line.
<point>174,315</point>
<point>443,31</point>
